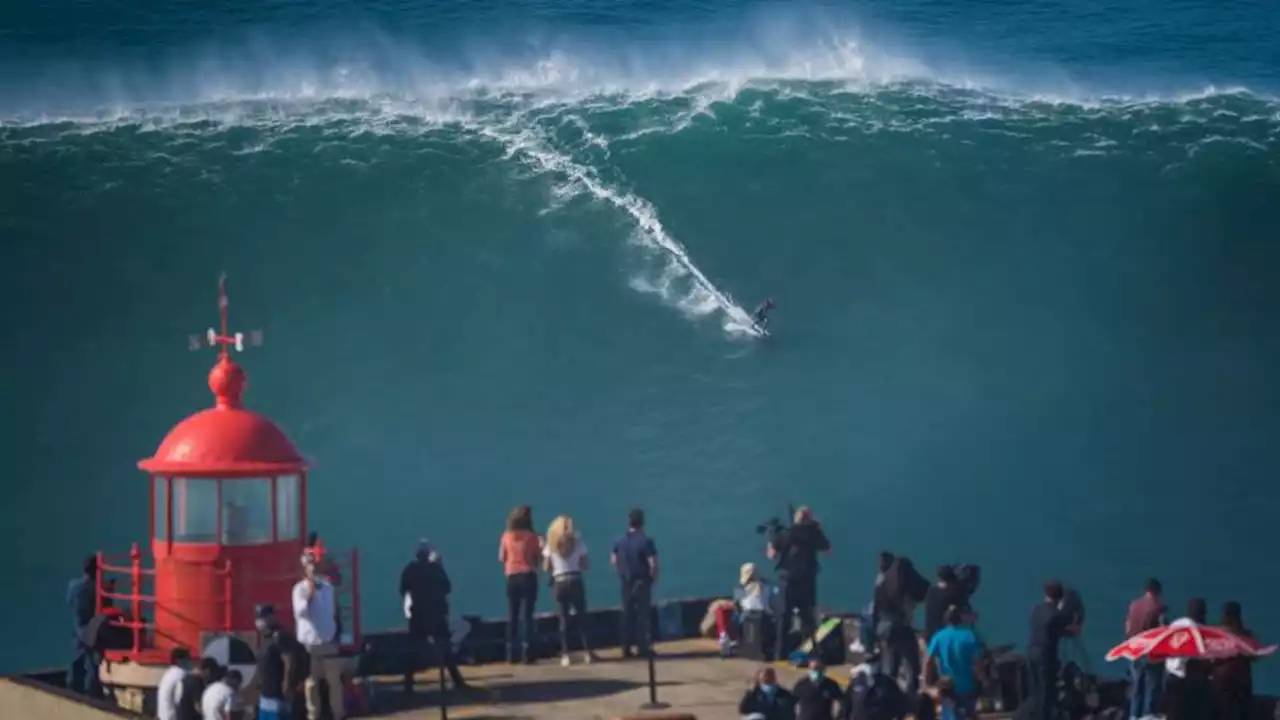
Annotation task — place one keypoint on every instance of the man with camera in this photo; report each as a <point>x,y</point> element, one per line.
<point>795,549</point>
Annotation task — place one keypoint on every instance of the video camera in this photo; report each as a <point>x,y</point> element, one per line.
<point>968,577</point>
<point>773,528</point>
<point>770,527</point>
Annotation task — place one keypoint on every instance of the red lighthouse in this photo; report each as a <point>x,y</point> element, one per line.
<point>228,526</point>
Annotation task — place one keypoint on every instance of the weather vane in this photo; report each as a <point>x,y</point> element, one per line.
<point>224,339</point>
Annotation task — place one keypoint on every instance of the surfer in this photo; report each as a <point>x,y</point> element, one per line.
<point>761,315</point>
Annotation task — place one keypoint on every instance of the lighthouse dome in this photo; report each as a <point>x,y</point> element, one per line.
<point>225,440</point>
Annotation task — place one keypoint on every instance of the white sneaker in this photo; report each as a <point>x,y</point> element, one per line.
<point>588,657</point>
<point>565,661</point>
<point>856,647</point>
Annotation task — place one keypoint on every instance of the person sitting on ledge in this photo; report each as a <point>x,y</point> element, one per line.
<point>765,700</point>
<point>753,593</point>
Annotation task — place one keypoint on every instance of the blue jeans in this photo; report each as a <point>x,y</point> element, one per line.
<point>960,707</point>
<point>867,633</point>
<point>1145,687</point>
<point>269,709</point>
<point>82,674</point>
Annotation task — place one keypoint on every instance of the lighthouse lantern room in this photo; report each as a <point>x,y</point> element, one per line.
<point>228,527</point>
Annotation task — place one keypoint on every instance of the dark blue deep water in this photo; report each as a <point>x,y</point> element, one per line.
<point>1025,255</point>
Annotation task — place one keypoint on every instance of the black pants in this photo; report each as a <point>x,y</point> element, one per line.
<point>431,642</point>
<point>522,595</point>
<point>571,599</point>
<point>1233,704</point>
<point>637,608</point>
<point>902,648</point>
<point>1044,687</point>
<point>799,596</point>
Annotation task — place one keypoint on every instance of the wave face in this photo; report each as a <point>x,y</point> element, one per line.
<point>1032,297</point>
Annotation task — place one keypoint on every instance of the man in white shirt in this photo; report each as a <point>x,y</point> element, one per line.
<point>219,698</point>
<point>169,692</point>
<point>315,620</point>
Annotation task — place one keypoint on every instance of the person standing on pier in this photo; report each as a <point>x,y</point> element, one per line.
<point>191,690</point>
<point>169,690</point>
<point>426,587</point>
<point>1190,697</point>
<point>796,551</point>
<point>315,619</point>
<point>1146,678</point>
<point>817,696</point>
<point>82,676</point>
<point>1233,677</point>
<point>279,673</point>
<point>219,699</point>
<point>766,700</point>
<point>520,552</point>
<point>1049,625</point>
<point>566,560</point>
<point>955,653</point>
<point>636,558</point>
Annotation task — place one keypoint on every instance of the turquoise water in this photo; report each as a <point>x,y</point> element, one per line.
<point>1024,256</point>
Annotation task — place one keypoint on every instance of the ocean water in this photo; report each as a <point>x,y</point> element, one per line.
<point>1024,256</point>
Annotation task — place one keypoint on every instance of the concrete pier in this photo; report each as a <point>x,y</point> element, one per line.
<point>692,679</point>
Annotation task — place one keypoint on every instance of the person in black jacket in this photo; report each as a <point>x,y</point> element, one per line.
<point>817,696</point>
<point>873,695</point>
<point>796,552</point>
<point>425,586</point>
<point>193,685</point>
<point>766,700</point>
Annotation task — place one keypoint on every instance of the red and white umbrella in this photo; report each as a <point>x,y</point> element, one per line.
<point>1185,638</point>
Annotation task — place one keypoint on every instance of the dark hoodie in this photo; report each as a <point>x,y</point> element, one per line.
<point>798,552</point>
<point>428,587</point>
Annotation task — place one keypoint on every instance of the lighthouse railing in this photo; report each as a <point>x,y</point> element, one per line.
<point>147,639</point>
<point>135,609</point>
<point>107,596</point>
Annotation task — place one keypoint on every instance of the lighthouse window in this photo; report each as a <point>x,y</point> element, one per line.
<point>246,511</point>
<point>160,508</point>
<point>195,510</point>
<point>287,507</point>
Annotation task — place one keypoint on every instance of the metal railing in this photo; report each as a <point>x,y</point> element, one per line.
<point>140,596</point>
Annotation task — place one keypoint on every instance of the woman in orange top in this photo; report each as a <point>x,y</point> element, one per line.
<point>519,551</point>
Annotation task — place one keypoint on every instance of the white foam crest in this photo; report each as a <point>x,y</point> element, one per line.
<point>390,76</point>
<point>700,299</point>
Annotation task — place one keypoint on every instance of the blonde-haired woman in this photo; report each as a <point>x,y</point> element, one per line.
<point>566,559</point>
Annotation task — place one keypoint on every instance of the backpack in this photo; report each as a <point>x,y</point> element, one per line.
<point>1073,605</point>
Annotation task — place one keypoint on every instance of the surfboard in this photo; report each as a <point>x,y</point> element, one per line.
<point>801,654</point>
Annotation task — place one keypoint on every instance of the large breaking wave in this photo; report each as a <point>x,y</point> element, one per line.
<point>561,108</point>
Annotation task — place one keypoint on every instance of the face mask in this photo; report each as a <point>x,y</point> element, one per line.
<point>815,675</point>
<point>769,689</point>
